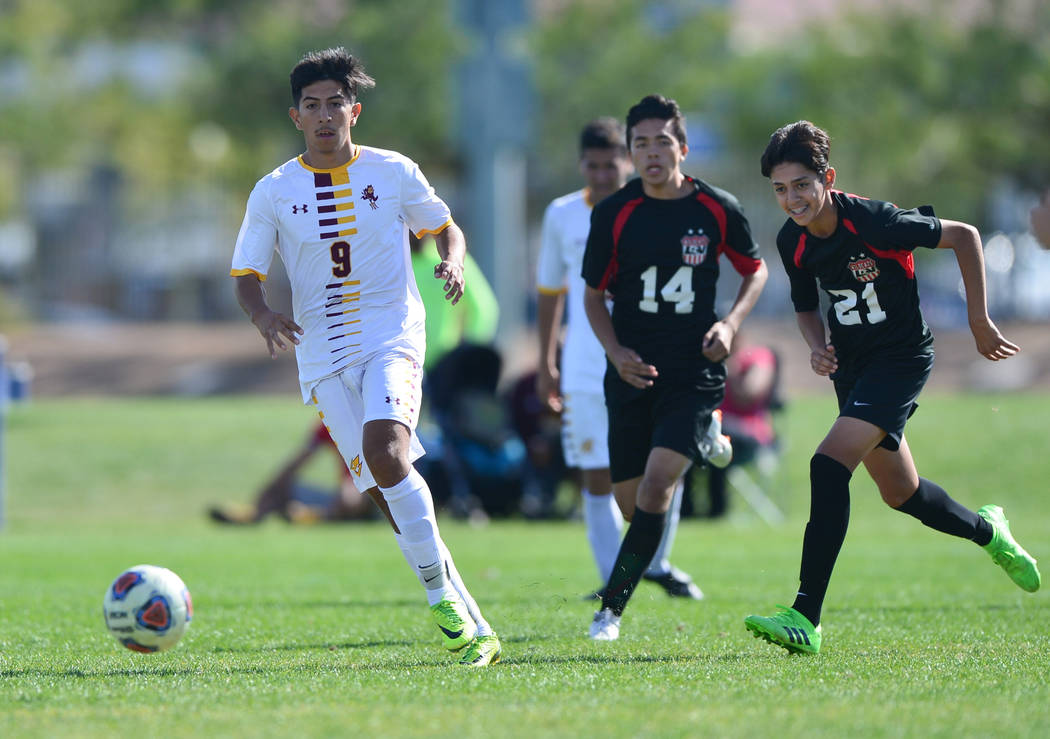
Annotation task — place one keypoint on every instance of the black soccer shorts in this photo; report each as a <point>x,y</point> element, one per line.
<point>674,416</point>
<point>884,393</point>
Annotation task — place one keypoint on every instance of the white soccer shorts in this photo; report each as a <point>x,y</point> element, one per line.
<point>386,387</point>
<point>585,431</point>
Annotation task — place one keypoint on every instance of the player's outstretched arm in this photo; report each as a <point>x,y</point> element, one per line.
<point>966,242</point>
<point>822,357</point>
<point>631,368</point>
<point>452,247</point>
<point>273,326</point>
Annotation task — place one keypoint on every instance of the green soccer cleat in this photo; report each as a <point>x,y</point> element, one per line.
<point>457,627</point>
<point>1007,553</point>
<point>483,651</point>
<point>788,629</point>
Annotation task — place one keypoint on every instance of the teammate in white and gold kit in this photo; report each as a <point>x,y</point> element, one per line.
<point>339,216</point>
<point>575,388</point>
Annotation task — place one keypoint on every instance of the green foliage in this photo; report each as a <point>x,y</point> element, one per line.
<point>921,106</point>
<point>322,631</point>
<point>226,66</point>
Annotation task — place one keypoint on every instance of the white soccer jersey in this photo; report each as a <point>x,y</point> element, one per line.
<point>343,237</point>
<point>566,224</point>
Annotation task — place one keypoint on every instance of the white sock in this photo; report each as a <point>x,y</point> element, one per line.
<point>484,629</point>
<point>412,509</point>
<point>661,563</point>
<point>604,524</point>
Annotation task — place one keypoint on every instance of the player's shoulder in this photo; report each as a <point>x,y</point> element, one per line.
<point>724,198</point>
<point>570,200</point>
<point>788,235</point>
<point>613,204</point>
<point>372,155</point>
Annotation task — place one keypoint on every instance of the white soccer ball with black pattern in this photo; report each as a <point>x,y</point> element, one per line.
<point>147,608</point>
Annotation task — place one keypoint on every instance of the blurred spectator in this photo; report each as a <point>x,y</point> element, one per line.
<point>295,500</point>
<point>752,382</point>
<point>539,428</point>
<point>1040,217</point>
<point>477,313</point>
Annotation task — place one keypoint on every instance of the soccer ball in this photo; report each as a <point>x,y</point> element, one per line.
<point>147,608</point>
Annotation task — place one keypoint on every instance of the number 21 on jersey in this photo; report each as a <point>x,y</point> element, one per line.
<point>677,290</point>
<point>846,309</point>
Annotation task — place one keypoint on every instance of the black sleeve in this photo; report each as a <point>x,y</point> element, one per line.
<point>900,229</point>
<point>804,294</point>
<point>738,230</point>
<point>599,267</point>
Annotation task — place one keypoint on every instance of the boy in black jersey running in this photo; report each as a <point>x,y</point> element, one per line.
<point>879,356</point>
<point>654,246</point>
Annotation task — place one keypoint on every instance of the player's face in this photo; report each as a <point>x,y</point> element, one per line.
<point>325,116</point>
<point>604,171</point>
<point>656,153</point>
<point>804,194</point>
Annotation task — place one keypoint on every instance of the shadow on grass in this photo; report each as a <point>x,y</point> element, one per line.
<point>329,646</point>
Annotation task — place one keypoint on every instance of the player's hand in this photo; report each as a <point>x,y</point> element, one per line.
<point>718,341</point>
<point>452,273</point>
<point>631,368</point>
<point>990,343</point>
<point>548,382</point>
<point>274,327</point>
<point>824,361</point>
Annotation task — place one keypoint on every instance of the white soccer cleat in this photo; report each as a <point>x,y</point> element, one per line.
<point>605,626</point>
<point>716,446</point>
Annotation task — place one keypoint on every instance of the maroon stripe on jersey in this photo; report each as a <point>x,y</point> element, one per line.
<point>618,225</point>
<point>799,249</point>
<point>329,235</point>
<point>743,264</point>
<point>326,196</point>
<point>322,179</point>
<point>720,215</point>
<point>326,209</point>
<point>328,222</point>
<point>904,258</point>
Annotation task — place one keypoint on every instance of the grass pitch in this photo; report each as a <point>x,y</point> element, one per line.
<point>324,631</point>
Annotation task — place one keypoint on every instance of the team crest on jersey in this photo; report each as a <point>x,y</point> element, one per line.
<point>370,195</point>
<point>355,465</point>
<point>694,247</point>
<point>864,268</point>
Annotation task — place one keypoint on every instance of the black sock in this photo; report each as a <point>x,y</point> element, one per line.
<point>636,552</point>
<point>825,532</point>
<point>936,509</point>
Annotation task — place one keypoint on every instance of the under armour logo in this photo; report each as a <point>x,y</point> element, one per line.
<point>304,206</point>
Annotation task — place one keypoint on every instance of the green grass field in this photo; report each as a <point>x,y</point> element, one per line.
<point>323,631</point>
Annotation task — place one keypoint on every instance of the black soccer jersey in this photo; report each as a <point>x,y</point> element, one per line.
<point>868,271</point>
<point>659,260</point>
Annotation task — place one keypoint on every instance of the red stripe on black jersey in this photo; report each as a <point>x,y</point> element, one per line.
<point>904,258</point>
<point>618,224</point>
<point>799,249</point>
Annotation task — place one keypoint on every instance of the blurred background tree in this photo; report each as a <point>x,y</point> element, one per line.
<point>132,130</point>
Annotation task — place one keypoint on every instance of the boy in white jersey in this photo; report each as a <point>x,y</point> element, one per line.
<point>576,389</point>
<point>339,216</point>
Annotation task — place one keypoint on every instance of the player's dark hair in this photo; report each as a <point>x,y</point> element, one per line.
<point>800,142</point>
<point>657,106</point>
<point>335,64</point>
<point>603,133</point>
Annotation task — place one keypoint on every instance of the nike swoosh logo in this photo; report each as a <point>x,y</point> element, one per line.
<point>428,579</point>
<point>451,634</point>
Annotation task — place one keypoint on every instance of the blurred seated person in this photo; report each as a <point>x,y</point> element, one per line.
<point>297,501</point>
<point>473,320</point>
<point>747,412</point>
<point>539,428</point>
<point>1040,217</point>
